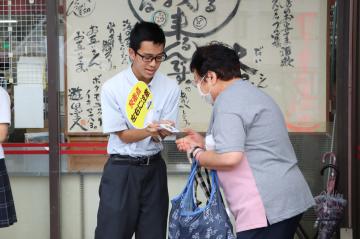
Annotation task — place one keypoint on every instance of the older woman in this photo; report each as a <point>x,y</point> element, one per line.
<point>248,144</point>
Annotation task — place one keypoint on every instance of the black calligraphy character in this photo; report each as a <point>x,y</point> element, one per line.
<point>109,44</point>
<point>185,45</point>
<point>92,34</point>
<point>80,8</point>
<point>241,52</point>
<point>200,22</point>
<point>258,53</point>
<point>184,100</point>
<point>75,93</point>
<point>168,3</point>
<point>286,57</point>
<point>79,37</point>
<point>80,66</point>
<point>76,107</point>
<point>88,98</point>
<point>211,7</point>
<point>180,71</point>
<point>192,6</point>
<point>262,80</point>
<point>95,56</point>
<point>96,79</point>
<point>276,35</point>
<point>179,21</point>
<point>147,5</point>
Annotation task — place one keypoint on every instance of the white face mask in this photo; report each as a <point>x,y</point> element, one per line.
<point>207,97</point>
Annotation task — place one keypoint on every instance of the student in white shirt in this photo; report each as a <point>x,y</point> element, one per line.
<point>133,189</point>
<point>7,207</point>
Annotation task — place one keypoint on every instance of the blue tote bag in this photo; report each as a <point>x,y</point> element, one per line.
<point>188,221</point>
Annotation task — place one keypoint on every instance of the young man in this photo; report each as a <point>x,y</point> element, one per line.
<point>133,189</point>
<point>7,207</point>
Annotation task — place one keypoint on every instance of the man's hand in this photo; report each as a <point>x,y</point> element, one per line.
<point>169,122</point>
<point>163,132</point>
<point>153,130</point>
<point>157,134</point>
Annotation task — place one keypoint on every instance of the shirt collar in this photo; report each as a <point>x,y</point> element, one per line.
<point>133,80</point>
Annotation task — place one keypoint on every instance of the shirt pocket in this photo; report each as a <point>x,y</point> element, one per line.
<point>153,115</point>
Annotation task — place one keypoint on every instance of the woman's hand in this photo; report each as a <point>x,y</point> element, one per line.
<point>191,140</point>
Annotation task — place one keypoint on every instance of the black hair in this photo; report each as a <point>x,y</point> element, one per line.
<point>216,57</point>
<point>146,31</point>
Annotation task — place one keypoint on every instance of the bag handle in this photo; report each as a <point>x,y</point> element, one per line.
<point>187,193</point>
<point>205,186</point>
<point>188,202</point>
<point>190,180</point>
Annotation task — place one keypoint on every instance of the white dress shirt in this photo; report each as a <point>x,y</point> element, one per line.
<point>114,94</point>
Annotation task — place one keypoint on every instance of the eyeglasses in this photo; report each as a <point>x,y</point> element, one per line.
<point>149,58</point>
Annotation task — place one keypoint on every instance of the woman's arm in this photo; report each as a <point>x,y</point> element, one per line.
<point>212,160</point>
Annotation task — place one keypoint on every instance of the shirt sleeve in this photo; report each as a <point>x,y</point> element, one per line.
<point>112,116</point>
<point>229,133</point>
<point>5,115</point>
<point>171,109</point>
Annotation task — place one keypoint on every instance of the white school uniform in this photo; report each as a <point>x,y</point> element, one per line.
<point>114,94</point>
